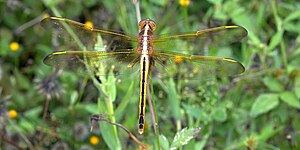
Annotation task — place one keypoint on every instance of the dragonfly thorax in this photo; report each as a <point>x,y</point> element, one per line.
<point>145,38</point>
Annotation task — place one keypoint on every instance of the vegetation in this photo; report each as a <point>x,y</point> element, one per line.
<point>44,108</point>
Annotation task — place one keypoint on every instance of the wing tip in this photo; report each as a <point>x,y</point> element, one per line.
<point>240,66</point>
<point>46,59</point>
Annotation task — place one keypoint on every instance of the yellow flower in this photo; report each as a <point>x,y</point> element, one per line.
<point>12,114</point>
<point>184,3</point>
<point>14,46</point>
<point>94,140</point>
<point>88,24</point>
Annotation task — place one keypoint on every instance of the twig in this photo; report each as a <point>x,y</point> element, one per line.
<point>137,9</point>
<point>153,113</point>
<point>2,138</point>
<point>151,109</point>
<point>101,117</point>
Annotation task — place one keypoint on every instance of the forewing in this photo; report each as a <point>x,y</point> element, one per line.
<point>194,42</point>
<point>72,35</point>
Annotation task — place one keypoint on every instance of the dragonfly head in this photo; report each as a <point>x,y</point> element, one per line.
<point>148,22</point>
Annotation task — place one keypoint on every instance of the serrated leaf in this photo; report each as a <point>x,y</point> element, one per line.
<point>264,103</point>
<point>273,84</point>
<point>290,98</point>
<point>164,143</point>
<point>276,39</point>
<point>184,136</point>
<point>220,114</point>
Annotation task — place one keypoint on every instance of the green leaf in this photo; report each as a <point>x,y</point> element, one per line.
<point>89,3</point>
<point>173,99</point>
<point>108,131</point>
<point>26,125</point>
<point>264,103</point>
<point>220,114</point>
<point>297,92</point>
<point>51,3</point>
<point>22,80</point>
<point>197,113</point>
<point>33,113</point>
<point>292,27</point>
<point>184,136</point>
<point>164,143</point>
<point>91,108</point>
<point>215,2</point>
<point>273,84</point>
<point>74,97</point>
<point>109,137</point>
<point>292,16</point>
<point>126,99</point>
<point>200,145</point>
<point>268,131</point>
<point>276,39</point>
<point>111,86</point>
<point>60,112</point>
<point>290,98</point>
<point>161,2</point>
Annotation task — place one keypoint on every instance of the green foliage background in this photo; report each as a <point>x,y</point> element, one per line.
<point>259,109</point>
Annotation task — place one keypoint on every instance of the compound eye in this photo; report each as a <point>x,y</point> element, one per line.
<point>142,24</point>
<point>152,25</point>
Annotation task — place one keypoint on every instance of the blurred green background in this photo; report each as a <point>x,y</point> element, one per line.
<point>42,108</point>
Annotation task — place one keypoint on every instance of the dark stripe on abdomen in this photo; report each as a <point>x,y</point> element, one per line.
<point>143,85</point>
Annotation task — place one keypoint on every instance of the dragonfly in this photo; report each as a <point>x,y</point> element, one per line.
<point>144,53</point>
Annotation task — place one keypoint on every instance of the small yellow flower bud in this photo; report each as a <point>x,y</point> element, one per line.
<point>14,46</point>
<point>12,114</point>
<point>94,140</point>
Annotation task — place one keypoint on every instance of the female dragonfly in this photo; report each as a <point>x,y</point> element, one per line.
<point>146,52</point>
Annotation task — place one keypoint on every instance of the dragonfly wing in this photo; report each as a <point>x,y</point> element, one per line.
<point>100,63</point>
<point>193,42</point>
<point>75,35</point>
<point>195,67</point>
